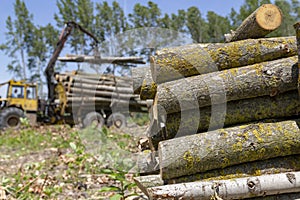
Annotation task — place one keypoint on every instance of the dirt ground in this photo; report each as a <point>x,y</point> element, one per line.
<point>55,162</point>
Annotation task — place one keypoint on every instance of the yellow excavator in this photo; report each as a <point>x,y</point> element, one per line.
<point>22,100</point>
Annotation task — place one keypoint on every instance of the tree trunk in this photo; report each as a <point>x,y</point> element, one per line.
<point>184,61</point>
<point>226,147</point>
<point>268,78</point>
<point>240,188</point>
<point>71,86</point>
<point>234,112</point>
<point>119,83</point>
<point>103,101</point>
<point>94,93</point>
<point>148,89</point>
<point>297,28</point>
<point>101,60</point>
<point>138,75</point>
<point>261,22</point>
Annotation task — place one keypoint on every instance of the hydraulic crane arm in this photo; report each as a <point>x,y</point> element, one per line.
<point>49,72</point>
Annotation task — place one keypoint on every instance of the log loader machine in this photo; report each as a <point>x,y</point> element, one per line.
<point>22,100</point>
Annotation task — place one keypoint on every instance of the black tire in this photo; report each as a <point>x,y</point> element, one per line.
<point>10,118</point>
<point>93,118</point>
<point>117,119</point>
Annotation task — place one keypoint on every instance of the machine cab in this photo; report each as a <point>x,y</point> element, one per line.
<point>23,95</point>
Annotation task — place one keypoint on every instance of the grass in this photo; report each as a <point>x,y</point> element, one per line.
<point>57,162</point>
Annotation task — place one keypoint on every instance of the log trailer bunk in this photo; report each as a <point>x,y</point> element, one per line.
<point>53,111</point>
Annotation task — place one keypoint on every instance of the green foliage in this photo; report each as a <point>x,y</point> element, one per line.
<point>218,25</point>
<point>30,46</point>
<point>19,39</point>
<point>289,19</point>
<point>196,25</point>
<point>120,191</point>
<point>140,119</point>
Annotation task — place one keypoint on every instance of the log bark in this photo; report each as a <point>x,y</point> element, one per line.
<point>99,82</point>
<point>234,112</point>
<point>256,168</point>
<point>76,85</point>
<point>138,75</point>
<point>148,163</point>
<point>297,28</point>
<point>78,74</point>
<point>184,61</point>
<point>261,22</point>
<point>100,93</point>
<point>101,60</point>
<point>226,147</point>
<point>240,188</point>
<point>148,89</point>
<point>102,101</point>
<point>268,78</point>
<point>144,182</point>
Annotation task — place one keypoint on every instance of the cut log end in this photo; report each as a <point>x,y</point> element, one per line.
<point>269,17</point>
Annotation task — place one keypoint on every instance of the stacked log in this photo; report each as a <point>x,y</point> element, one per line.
<point>225,117</point>
<point>85,89</point>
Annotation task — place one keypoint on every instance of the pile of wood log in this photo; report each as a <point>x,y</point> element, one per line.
<point>224,119</point>
<point>86,89</point>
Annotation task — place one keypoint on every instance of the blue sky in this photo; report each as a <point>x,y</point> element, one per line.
<point>43,12</point>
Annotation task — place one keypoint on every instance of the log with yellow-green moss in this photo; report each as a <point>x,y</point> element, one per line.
<point>234,112</point>
<point>189,60</point>
<point>227,147</point>
<point>267,78</point>
<point>148,89</point>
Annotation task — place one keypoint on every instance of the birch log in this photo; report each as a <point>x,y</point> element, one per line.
<point>138,75</point>
<point>261,22</point>
<point>226,147</point>
<point>184,61</point>
<point>240,188</point>
<point>256,168</point>
<point>268,78</point>
<point>234,112</point>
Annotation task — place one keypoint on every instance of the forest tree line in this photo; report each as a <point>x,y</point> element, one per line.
<point>29,46</point>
